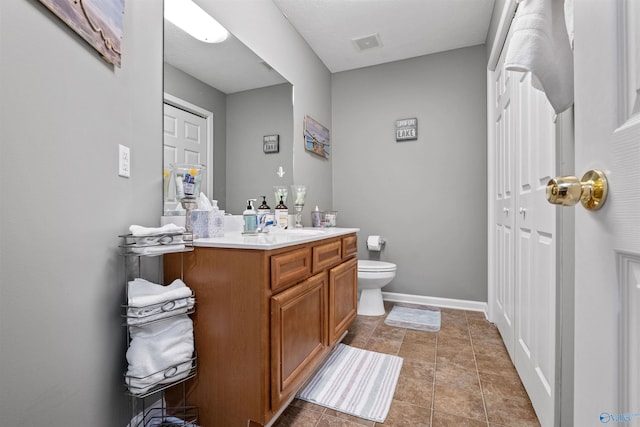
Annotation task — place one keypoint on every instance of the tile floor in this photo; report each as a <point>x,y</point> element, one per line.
<point>461,376</point>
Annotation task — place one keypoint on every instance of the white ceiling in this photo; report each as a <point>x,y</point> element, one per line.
<point>406,28</point>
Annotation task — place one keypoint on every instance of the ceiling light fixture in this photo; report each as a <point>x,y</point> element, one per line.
<point>192,19</point>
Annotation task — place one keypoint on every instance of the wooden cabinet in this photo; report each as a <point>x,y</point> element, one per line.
<point>266,321</point>
<point>298,335</point>
<point>343,298</point>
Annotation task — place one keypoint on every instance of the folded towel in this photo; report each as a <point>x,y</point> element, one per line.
<point>540,45</point>
<point>142,293</point>
<point>157,250</point>
<point>159,353</point>
<point>139,231</point>
<point>139,316</point>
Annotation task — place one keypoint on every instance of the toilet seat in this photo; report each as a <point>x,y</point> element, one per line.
<point>375,266</point>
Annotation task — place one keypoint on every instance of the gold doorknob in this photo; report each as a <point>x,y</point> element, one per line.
<point>591,190</point>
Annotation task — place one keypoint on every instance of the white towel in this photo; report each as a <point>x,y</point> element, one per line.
<point>166,239</point>
<point>157,250</point>
<point>540,45</point>
<point>139,231</point>
<point>139,316</point>
<point>159,353</point>
<point>142,293</point>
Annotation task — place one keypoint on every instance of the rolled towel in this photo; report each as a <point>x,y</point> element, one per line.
<point>138,316</point>
<point>166,239</point>
<point>142,293</point>
<point>140,231</point>
<point>159,353</point>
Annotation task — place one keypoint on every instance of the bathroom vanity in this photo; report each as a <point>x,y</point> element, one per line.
<point>270,308</point>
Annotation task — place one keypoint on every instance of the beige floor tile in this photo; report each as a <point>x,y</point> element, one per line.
<point>416,391</point>
<point>496,365</point>
<point>463,379</point>
<point>502,386</point>
<point>383,345</point>
<point>402,414</point>
<point>440,419</point>
<point>418,351</point>
<point>510,412</point>
<point>298,417</point>
<point>454,401</point>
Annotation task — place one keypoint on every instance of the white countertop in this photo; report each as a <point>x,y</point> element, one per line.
<point>275,239</point>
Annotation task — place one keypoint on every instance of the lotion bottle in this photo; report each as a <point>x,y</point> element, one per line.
<point>282,215</point>
<point>263,212</point>
<point>250,218</point>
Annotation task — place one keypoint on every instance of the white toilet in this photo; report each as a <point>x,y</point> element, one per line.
<point>372,277</point>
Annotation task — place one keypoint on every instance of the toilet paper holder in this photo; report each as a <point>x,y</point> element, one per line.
<point>375,243</point>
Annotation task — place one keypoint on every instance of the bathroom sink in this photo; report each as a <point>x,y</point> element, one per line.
<point>302,232</point>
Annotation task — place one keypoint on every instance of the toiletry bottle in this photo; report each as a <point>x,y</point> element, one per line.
<point>282,215</point>
<point>250,218</point>
<point>263,212</point>
<point>315,217</point>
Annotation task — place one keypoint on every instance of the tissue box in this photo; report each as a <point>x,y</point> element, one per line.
<point>207,223</point>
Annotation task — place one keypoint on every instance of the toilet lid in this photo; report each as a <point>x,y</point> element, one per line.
<point>368,265</point>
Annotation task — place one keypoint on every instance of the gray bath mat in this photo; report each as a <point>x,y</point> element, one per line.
<point>418,317</point>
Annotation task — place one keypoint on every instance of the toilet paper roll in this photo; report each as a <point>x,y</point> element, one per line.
<point>374,243</point>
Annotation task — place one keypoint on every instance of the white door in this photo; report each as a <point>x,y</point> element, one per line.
<point>523,260</point>
<point>607,242</point>
<point>535,248</point>
<point>500,166</point>
<point>185,141</point>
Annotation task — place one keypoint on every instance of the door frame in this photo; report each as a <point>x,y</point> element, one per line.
<point>208,116</point>
<point>565,226</point>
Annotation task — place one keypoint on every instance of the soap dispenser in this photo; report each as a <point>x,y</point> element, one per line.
<point>250,218</point>
<point>282,215</point>
<point>263,213</point>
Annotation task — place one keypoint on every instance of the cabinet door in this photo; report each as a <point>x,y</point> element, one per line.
<point>298,335</point>
<point>343,298</point>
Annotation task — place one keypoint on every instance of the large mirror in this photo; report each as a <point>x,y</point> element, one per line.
<point>221,101</point>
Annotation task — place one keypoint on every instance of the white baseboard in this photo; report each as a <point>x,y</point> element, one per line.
<point>457,304</point>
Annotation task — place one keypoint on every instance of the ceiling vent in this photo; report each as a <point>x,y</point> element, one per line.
<point>368,42</point>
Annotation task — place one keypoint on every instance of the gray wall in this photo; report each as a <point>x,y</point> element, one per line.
<point>63,113</point>
<point>260,25</point>
<point>186,87</point>
<point>427,198</point>
<point>251,173</point>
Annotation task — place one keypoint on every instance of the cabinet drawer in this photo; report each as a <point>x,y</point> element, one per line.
<point>349,245</point>
<point>289,268</point>
<point>327,255</point>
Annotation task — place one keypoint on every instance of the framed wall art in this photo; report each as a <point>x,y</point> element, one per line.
<point>271,143</point>
<point>406,129</point>
<point>99,22</point>
<point>316,138</point>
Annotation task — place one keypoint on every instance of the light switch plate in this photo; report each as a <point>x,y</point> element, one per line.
<point>124,161</point>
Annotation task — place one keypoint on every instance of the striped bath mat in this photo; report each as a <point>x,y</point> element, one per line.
<point>412,316</point>
<point>355,381</point>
